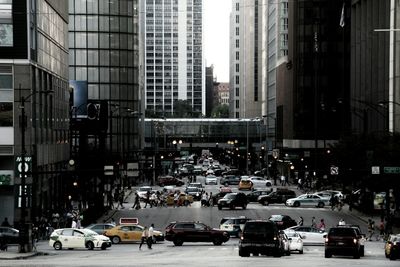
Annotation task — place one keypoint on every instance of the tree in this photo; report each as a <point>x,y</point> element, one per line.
<point>220,111</point>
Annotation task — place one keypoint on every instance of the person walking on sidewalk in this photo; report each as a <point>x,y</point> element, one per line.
<point>136,204</point>
<point>371,229</point>
<point>121,200</point>
<point>145,235</point>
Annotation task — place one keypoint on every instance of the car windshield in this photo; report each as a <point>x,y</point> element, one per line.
<point>259,228</point>
<point>195,185</point>
<point>229,196</point>
<point>89,232</point>
<point>276,218</point>
<point>291,234</point>
<point>144,189</point>
<point>341,232</point>
<point>192,189</point>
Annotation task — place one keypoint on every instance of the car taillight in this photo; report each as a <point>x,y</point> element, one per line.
<point>275,238</point>
<point>326,240</point>
<point>241,238</point>
<point>355,241</point>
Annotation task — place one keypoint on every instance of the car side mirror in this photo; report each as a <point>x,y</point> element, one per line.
<point>324,236</point>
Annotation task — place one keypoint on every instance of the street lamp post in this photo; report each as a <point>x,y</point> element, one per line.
<point>23,189</point>
<point>267,136</point>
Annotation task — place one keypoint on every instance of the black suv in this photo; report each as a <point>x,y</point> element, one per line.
<point>179,232</point>
<point>233,200</point>
<point>260,237</point>
<point>230,180</point>
<point>342,241</point>
<point>279,196</point>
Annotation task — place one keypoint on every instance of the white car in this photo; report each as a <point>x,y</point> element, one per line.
<point>330,193</point>
<point>308,200</point>
<point>310,235</point>
<point>142,191</point>
<point>295,241</point>
<point>78,238</point>
<point>209,172</point>
<point>211,179</point>
<point>260,181</point>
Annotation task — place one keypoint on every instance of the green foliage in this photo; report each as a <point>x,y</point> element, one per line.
<point>220,111</point>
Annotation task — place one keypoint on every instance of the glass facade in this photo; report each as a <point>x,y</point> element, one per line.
<point>6,24</point>
<point>103,42</point>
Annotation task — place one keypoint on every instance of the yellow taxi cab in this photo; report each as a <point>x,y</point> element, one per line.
<point>129,233</point>
<point>392,247</point>
<point>184,199</point>
<point>245,184</point>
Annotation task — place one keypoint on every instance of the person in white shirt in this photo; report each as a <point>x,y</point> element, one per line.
<point>342,222</point>
<point>150,236</point>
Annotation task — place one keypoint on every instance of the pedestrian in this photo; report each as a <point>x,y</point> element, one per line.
<point>371,229</point>
<point>381,231</point>
<point>322,225</point>
<point>148,199</point>
<point>150,236</point>
<point>145,234</point>
<point>73,225</point>
<point>341,222</point>
<point>5,223</point>
<point>283,179</point>
<point>313,222</point>
<point>211,200</point>
<point>176,199</point>
<point>301,221</point>
<point>136,204</point>
<point>299,185</point>
<point>112,221</point>
<point>121,200</point>
<point>204,199</point>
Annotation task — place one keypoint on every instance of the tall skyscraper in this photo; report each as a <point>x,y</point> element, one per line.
<point>245,54</point>
<point>34,112</point>
<point>173,68</point>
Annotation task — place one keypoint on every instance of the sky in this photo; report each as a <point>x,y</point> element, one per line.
<point>216,36</point>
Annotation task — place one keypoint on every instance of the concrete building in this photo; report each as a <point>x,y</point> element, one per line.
<point>221,93</point>
<point>34,82</point>
<point>245,54</point>
<point>172,41</point>
<point>104,53</point>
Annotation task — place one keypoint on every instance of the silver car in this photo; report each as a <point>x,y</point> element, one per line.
<point>308,200</point>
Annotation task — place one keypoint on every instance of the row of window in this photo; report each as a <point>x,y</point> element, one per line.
<point>6,25</point>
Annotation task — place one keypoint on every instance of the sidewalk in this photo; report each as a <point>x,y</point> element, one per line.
<point>13,254</point>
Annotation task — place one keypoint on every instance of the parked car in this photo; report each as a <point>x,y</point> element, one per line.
<point>260,181</point>
<point>392,247</point>
<point>233,225</point>
<point>229,180</point>
<point>342,241</point>
<point>260,237</point>
<point>310,235</point>
<point>195,192</point>
<point>282,221</point>
<point>169,180</point>
<point>100,228</point>
<point>211,179</point>
<point>279,196</point>
<point>8,235</point>
<point>233,200</point>
<point>180,232</point>
<point>245,184</point>
<point>254,195</point>
<point>130,233</point>
<point>78,238</point>
<point>142,191</point>
<point>308,200</point>
<point>295,241</point>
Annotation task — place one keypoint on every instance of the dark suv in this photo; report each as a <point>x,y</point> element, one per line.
<point>230,180</point>
<point>342,241</point>
<point>169,180</point>
<point>179,232</point>
<point>233,200</point>
<point>279,196</point>
<point>260,237</point>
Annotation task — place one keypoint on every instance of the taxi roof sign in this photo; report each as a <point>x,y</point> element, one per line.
<point>128,221</point>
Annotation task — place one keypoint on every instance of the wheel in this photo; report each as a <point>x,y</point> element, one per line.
<point>104,246</point>
<point>219,207</point>
<point>287,253</point>
<point>178,242</point>
<point>321,204</point>
<point>243,253</point>
<point>362,251</point>
<point>90,245</point>
<point>255,254</point>
<point>301,252</point>
<point>57,245</point>
<point>296,204</point>
<point>268,184</point>
<point>392,256</point>
<point>386,255</point>
<point>217,241</point>
<point>115,239</point>
<point>328,254</point>
<point>278,253</point>
<point>226,184</point>
<point>232,207</point>
<point>244,207</point>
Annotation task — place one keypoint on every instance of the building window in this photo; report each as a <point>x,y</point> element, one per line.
<point>284,24</point>
<point>237,43</point>
<point>237,67</point>
<point>6,26</point>
<point>237,55</point>
<point>237,79</point>
<point>237,6</point>
<point>237,31</point>
<point>237,91</point>
<point>237,103</point>
<point>237,18</point>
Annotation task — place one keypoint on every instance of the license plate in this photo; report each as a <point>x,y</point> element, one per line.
<point>340,243</point>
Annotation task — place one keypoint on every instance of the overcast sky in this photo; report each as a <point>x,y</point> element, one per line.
<point>216,36</point>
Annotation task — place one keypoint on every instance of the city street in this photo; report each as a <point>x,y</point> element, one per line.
<point>206,254</point>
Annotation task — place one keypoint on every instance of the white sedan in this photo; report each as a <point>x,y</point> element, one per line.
<point>310,235</point>
<point>78,238</point>
<point>211,179</point>
<point>142,192</point>
<point>308,200</point>
<point>260,181</point>
<point>295,241</point>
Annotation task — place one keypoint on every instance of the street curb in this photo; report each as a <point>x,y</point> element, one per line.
<point>22,257</point>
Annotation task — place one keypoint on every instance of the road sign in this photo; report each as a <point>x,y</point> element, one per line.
<point>391,170</point>
<point>334,170</point>
<point>27,165</point>
<point>375,170</point>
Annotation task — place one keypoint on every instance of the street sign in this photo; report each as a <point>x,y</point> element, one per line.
<point>391,170</point>
<point>334,170</point>
<point>27,165</point>
<point>375,170</point>
<point>6,177</point>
